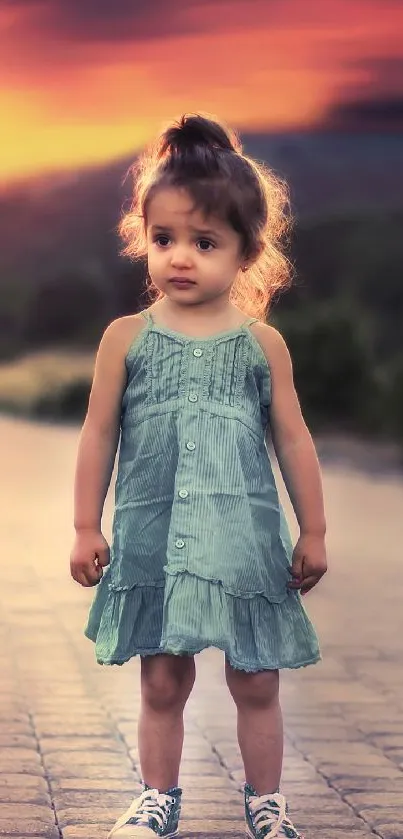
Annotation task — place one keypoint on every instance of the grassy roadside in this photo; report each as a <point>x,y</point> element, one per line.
<point>52,384</point>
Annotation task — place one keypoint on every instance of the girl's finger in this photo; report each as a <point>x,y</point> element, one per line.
<point>93,575</point>
<point>294,583</point>
<point>80,578</point>
<point>103,556</point>
<point>309,583</point>
<point>87,577</point>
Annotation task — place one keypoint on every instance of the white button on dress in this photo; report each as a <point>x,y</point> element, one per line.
<point>197,352</point>
<point>183,493</point>
<point>190,446</point>
<point>193,397</point>
<point>179,543</point>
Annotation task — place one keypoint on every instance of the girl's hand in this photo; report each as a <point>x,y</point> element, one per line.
<point>308,562</point>
<point>89,556</point>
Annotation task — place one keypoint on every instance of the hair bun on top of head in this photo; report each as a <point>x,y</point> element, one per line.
<point>196,131</point>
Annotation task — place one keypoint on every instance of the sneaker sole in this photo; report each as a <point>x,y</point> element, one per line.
<point>133,832</point>
<point>250,835</point>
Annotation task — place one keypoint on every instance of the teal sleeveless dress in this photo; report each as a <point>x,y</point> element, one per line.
<point>201,551</point>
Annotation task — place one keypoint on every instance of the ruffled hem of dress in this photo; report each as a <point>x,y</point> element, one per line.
<point>191,614</point>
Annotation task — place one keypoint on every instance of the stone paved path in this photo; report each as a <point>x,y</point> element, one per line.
<point>68,757</point>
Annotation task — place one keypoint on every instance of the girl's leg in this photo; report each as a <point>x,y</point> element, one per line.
<point>166,683</point>
<point>260,726</point>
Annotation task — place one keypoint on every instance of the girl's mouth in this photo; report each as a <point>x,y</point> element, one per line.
<point>181,283</point>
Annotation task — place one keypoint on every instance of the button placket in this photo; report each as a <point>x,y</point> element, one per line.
<point>185,469</point>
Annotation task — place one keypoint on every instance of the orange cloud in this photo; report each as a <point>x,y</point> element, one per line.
<point>72,99</point>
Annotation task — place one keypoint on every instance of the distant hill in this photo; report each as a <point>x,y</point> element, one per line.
<point>47,223</point>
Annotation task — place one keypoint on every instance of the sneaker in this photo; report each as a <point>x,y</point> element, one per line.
<point>152,814</point>
<point>267,816</point>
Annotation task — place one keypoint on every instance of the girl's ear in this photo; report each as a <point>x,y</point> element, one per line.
<point>252,257</point>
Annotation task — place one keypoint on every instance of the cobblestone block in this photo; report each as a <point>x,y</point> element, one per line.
<point>22,781</point>
<point>363,800</point>
<point>315,790</point>
<point>92,745</point>
<point>340,833</point>
<point>326,734</point>
<point>203,782</point>
<point>24,754</point>
<point>205,827</point>
<point>128,784</point>
<point>381,728</point>
<point>26,811</point>
<point>397,756</point>
<point>210,797</point>
<point>21,765</point>
<point>224,810</point>
<point>17,826</point>
<point>310,804</point>
<point>18,741</point>
<point>92,771</point>
<point>60,727</point>
<point>83,831</point>
<point>203,768</point>
<point>390,831</point>
<point>382,815</point>
<point>109,800</point>
<point>102,816</point>
<point>69,763</point>
<point>383,769</point>
<point>24,795</point>
<point>318,821</point>
<point>390,784</point>
<point>18,727</point>
<point>388,741</point>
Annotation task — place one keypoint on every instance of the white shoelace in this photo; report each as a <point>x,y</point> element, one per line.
<point>263,813</point>
<point>150,803</point>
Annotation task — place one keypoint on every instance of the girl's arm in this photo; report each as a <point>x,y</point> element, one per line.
<point>97,450</point>
<point>298,463</point>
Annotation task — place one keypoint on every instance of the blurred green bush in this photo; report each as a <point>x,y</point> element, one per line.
<point>333,366</point>
<point>342,320</point>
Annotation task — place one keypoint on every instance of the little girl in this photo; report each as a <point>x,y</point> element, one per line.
<point>195,386</point>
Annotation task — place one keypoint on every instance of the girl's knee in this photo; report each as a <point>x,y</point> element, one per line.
<point>167,681</point>
<point>255,690</point>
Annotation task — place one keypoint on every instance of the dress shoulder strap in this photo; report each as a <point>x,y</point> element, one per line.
<point>146,314</point>
<point>249,321</point>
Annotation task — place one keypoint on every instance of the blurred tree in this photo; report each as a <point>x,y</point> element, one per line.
<point>318,253</point>
<point>10,338</point>
<point>332,363</point>
<point>64,404</point>
<point>129,284</point>
<point>373,272</point>
<point>393,403</point>
<point>69,310</point>
<point>14,301</point>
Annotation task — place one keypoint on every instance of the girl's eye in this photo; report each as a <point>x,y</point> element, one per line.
<point>162,240</point>
<point>205,245</point>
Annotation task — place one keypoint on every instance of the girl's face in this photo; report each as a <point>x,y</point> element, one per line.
<point>183,245</point>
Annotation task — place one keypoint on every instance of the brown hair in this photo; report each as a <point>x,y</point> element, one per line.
<point>202,156</point>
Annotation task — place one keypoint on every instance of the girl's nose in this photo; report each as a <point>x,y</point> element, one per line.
<point>181,258</point>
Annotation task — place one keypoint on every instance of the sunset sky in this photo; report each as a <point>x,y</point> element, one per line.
<point>85,81</point>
